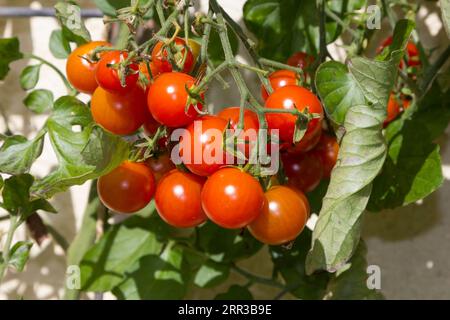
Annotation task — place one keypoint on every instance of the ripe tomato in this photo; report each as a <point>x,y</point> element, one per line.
<point>160,57</point>
<point>328,150</point>
<point>288,98</point>
<point>283,217</point>
<point>79,70</point>
<point>304,171</point>
<point>107,75</point>
<point>232,198</point>
<point>201,145</point>
<point>144,70</point>
<point>160,165</point>
<point>117,113</point>
<point>412,53</point>
<point>393,109</point>
<point>250,130</point>
<point>307,143</point>
<point>279,79</point>
<point>300,60</point>
<point>167,99</point>
<point>178,199</point>
<point>128,188</point>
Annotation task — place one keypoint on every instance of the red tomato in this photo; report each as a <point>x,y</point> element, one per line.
<point>304,171</point>
<point>307,143</point>
<point>160,59</point>
<point>251,127</point>
<point>107,75</point>
<point>232,198</point>
<point>144,70</point>
<point>117,113</point>
<point>160,165</point>
<point>328,150</point>
<point>201,145</point>
<point>393,109</point>
<point>128,188</point>
<point>279,79</point>
<point>167,99</point>
<point>288,98</point>
<point>178,199</point>
<point>80,71</point>
<point>300,60</point>
<point>412,53</point>
<point>283,217</point>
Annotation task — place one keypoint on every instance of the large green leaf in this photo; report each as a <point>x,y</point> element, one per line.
<point>59,46</point>
<point>17,154</point>
<point>109,7</point>
<point>445,9</point>
<point>9,52</point>
<point>211,274</point>
<point>83,154</point>
<point>110,260</point>
<point>157,276</point>
<point>73,28</point>
<point>361,155</point>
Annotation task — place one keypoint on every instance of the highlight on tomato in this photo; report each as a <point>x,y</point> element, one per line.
<point>128,188</point>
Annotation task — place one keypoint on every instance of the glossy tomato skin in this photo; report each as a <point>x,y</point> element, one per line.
<point>167,98</point>
<point>288,98</point>
<point>144,70</point>
<point>128,188</point>
<point>203,135</point>
<point>80,71</point>
<point>160,165</point>
<point>108,77</point>
<point>300,60</point>
<point>178,199</point>
<point>120,114</point>
<point>279,79</point>
<point>160,57</point>
<point>393,109</point>
<point>251,127</point>
<point>328,150</point>
<point>283,217</point>
<point>307,143</point>
<point>304,171</point>
<point>232,198</point>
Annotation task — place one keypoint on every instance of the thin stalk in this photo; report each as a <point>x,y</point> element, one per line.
<point>338,20</point>
<point>160,12</point>
<point>14,224</point>
<point>432,71</point>
<point>205,39</point>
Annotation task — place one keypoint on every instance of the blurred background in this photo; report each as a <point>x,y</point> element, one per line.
<point>410,244</point>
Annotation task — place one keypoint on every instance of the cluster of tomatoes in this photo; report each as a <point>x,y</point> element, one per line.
<point>187,196</point>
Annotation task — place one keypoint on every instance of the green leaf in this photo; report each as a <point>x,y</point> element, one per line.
<point>59,46</point>
<point>16,194</point>
<point>361,156</point>
<point>283,27</point>
<point>82,154</point>
<point>351,284</point>
<point>290,263</point>
<point>109,7</point>
<point>235,292</point>
<point>211,274</point>
<point>69,15</point>
<point>19,255</point>
<point>108,262</point>
<point>225,245</point>
<point>445,9</point>
<point>17,154</point>
<point>9,52</point>
<point>39,101</point>
<point>154,276</point>
<point>216,54</point>
<point>30,76</point>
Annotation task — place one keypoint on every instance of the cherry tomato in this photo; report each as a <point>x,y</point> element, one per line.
<point>151,127</point>
<point>79,69</point>
<point>300,60</point>
<point>160,165</point>
<point>393,109</point>
<point>120,114</point>
<point>160,57</point>
<point>232,198</point>
<point>167,99</point>
<point>144,70</point>
<point>288,98</point>
<point>128,188</point>
<point>279,79</point>
<point>250,130</point>
<point>328,150</point>
<point>412,53</point>
<point>304,171</point>
<point>283,217</point>
<point>107,73</point>
<point>307,143</point>
<point>201,145</point>
<point>178,199</point>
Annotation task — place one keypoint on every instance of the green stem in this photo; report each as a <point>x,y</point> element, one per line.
<point>14,224</point>
<point>205,40</point>
<point>338,20</point>
<point>69,87</point>
<point>432,71</point>
<point>258,279</point>
<point>160,12</point>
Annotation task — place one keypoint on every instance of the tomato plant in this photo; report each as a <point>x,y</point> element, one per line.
<point>347,131</point>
